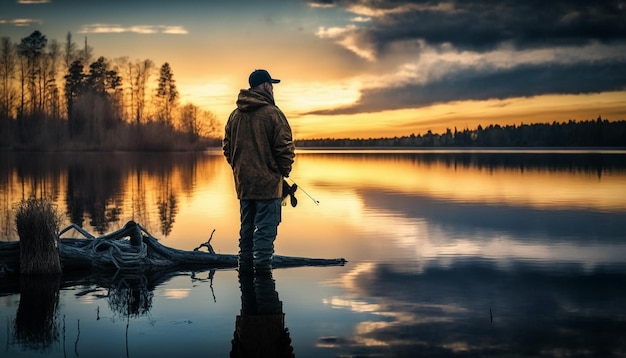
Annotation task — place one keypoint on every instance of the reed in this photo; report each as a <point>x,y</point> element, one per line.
<point>37,224</point>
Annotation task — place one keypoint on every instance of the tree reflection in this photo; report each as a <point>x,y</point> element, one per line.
<point>105,187</point>
<point>94,187</point>
<point>130,295</point>
<point>167,204</point>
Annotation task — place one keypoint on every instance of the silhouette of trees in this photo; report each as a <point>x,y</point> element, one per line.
<point>51,62</point>
<point>8,93</point>
<point>590,133</point>
<point>197,123</point>
<point>69,51</point>
<point>55,96</point>
<point>31,50</point>
<point>74,83</point>
<point>141,73</point>
<point>166,95</point>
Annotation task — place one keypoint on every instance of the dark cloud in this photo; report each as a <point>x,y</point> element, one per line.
<point>486,24</point>
<point>474,84</point>
<point>483,27</point>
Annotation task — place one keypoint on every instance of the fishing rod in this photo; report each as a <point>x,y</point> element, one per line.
<point>304,191</point>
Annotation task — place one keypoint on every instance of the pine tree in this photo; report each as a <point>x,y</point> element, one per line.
<point>167,94</point>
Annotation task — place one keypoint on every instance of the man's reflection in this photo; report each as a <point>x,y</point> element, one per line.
<point>260,328</point>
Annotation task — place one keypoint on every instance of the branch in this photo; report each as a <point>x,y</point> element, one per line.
<point>207,244</point>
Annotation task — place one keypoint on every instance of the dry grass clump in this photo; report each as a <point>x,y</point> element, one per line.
<point>37,224</point>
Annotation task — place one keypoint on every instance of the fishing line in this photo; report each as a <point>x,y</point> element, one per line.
<point>304,191</point>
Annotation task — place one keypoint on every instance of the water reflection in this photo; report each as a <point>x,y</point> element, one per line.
<point>260,327</point>
<point>473,254</point>
<point>180,194</point>
<point>539,180</point>
<point>476,308</point>
<point>36,325</point>
<point>434,228</point>
<point>40,326</point>
<point>101,190</point>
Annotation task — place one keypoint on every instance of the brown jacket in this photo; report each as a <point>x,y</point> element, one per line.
<point>258,145</point>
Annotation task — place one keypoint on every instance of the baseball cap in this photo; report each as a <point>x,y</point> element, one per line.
<point>261,76</point>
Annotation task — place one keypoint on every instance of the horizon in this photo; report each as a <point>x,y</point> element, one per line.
<point>351,70</point>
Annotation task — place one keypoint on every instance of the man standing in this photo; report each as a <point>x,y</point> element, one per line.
<point>259,147</point>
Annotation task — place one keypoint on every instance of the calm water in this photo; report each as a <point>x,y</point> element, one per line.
<point>518,253</point>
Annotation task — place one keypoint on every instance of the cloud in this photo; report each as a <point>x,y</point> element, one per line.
<point>138,29</point>
<point>472,84</point>
<point>425,52</point>
<point>485,24</point>
<point>361,19</point>
<point>321,4</point>
<point>448,76</point>
<point>174,30</point>
<point>25,22</point>
<point>32,2</point>
<point>349,37</point>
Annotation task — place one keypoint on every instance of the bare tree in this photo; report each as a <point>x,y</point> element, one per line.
<point>197,122</point>
<point>142,71</point>
<point>209,124</point>
<point>189,120</point>
<point>86,54</point>
<point>69,51</point>
<point>8,63</point>
<point>125,92</point>
<point>51,62</point>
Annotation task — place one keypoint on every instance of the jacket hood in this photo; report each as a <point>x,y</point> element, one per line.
<point>249,100</point>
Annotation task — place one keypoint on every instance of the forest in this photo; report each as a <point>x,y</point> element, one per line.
<point>57,97</point>
<point>591,133</point>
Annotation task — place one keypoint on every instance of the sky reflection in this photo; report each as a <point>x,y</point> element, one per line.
<point>475,307</point>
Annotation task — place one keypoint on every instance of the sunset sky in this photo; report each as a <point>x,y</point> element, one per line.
<point>365,68</point>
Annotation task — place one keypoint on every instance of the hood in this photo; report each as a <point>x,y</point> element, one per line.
<point>249,100</point>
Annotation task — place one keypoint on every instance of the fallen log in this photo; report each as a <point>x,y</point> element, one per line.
<point>134,248</point>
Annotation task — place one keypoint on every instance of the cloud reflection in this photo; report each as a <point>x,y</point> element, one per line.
<point>176,293</point>
<point>477,308</point>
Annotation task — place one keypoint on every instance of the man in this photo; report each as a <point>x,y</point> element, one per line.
<point>258,146</point>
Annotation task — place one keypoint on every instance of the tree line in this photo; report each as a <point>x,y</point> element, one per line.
<point>589,133</point>
<point>58,97</point>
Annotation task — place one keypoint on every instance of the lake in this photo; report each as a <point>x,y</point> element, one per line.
<point>450,253</point>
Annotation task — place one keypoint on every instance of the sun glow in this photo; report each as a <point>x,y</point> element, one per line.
<point>461,115</point>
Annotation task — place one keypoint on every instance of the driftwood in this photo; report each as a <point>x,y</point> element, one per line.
<point>134,248</point>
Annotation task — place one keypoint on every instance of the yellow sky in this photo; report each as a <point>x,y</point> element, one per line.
<point>296,98</point>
